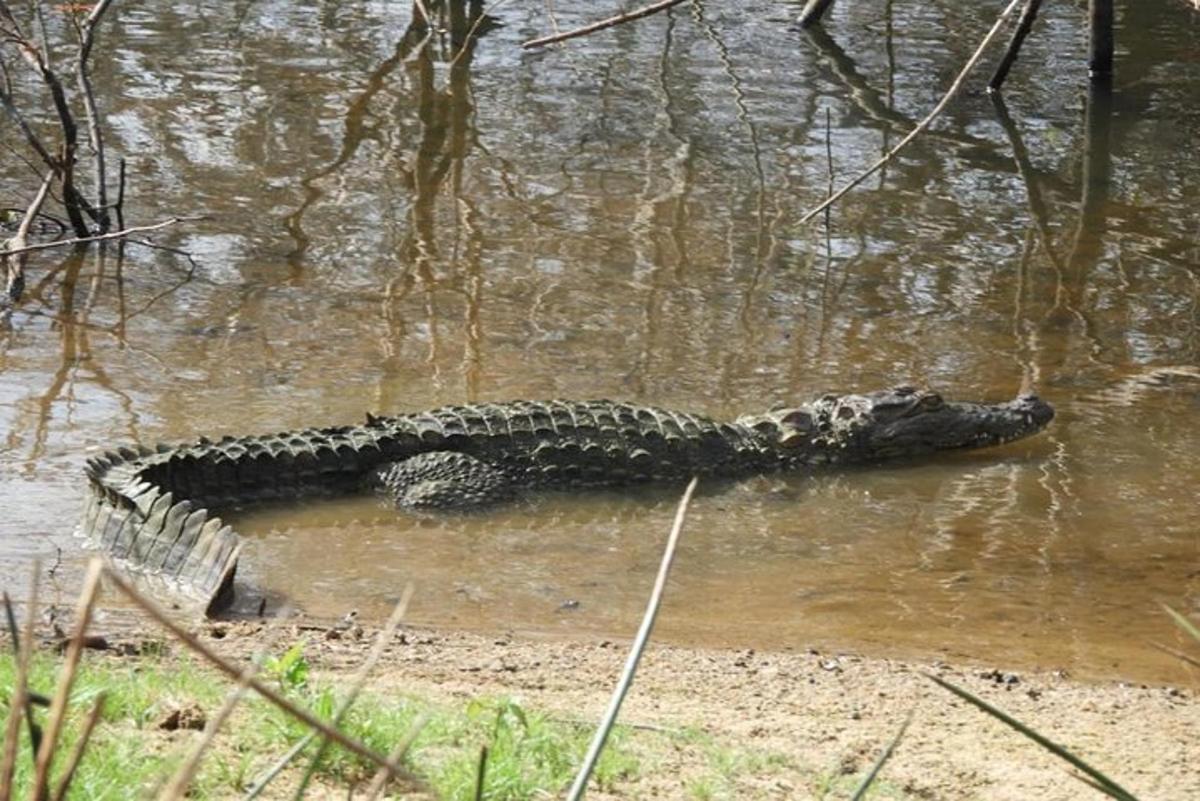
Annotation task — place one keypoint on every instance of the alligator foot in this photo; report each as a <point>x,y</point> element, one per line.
<point>443,480</point>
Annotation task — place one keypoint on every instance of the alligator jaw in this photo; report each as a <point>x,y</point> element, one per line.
<point>896,423</point>
<point>959,426</point>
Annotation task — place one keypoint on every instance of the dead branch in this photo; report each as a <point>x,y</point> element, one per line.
<point>36,55</point>
<point>812,13</point>
<point>923,124</point>
<point>13,254</point>
<point>1024,25</point>
<point>136,229</point>
<point>86,33</point>
<point>602,24</point>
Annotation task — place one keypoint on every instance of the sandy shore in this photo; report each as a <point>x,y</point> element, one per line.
<point>827,713</point>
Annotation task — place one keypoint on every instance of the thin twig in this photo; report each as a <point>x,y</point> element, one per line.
<point>80,748</point>
<point>602,24</point>
<point>12,253</point>
<point>869,779</point>
<point>385,637</point>
<point>66,678</point>
<point>229,669</point>
<point>468,41</point>
<point>136,229</point>
<point>635,652</point>
<point>923,124</point>
<point>1180,655</point>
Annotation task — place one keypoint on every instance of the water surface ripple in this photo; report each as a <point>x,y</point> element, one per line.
<point>393,228</point>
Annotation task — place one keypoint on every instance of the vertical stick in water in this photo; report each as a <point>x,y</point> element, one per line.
<point>1100,38</point>
<point>635,653</point>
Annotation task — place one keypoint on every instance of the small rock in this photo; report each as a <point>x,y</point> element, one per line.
<point>187,717</point>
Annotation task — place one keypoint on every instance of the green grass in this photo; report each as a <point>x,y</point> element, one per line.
<point>529,753</point>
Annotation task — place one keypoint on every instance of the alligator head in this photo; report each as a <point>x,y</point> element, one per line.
<point>898,422</point>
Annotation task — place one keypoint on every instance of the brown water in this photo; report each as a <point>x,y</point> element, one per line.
<point>391,230</point>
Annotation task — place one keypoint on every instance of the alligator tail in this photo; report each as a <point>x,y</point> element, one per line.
<point>147,509</point>
<point>171,547</point>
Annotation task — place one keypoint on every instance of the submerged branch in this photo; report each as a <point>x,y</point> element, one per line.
<point>923,124</point>
<point>137,229</point>
<point>1024,25</point>
<point>663,5</point>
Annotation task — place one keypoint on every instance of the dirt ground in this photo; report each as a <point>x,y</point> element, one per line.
<point>828,713</point>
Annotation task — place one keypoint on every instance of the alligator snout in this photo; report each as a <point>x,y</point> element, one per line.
<point>1041,412</point>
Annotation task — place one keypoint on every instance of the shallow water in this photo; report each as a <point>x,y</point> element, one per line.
<point>620,218</point>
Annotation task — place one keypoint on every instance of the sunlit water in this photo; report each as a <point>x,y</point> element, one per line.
<point>620,218</point>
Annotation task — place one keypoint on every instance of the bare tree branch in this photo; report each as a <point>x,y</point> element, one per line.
<point>38,58</point>
<point>923,124</point>
<point>663,5</point>
<point>137,229</point>
<point>86,33</point>
<point>13,253</point>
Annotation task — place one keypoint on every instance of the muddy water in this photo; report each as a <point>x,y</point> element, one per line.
<point>392,228</point>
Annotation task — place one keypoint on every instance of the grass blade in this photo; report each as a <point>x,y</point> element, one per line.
<point>1183,623</point>
<point>381,776</point>
<point>1101,782</point>
<point>77,753</point>
<point>635,653</point>
<point>869,779</point>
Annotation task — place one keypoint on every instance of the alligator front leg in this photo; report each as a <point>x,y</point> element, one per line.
<point>443,480</point>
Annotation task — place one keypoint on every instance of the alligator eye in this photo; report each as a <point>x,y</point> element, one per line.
<point>798,419</point>
<point>932,401</point>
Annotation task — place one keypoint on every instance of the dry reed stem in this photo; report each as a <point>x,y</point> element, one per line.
<point>663,5</point>
<point>923,124</point>
<point>380,780</point>
<point>635,652</point>
<point>303,715</point>
<point>20,696</point>
<point>80,748</point>
<point>66,678</point>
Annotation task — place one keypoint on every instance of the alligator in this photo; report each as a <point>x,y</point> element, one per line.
<point>148,509</point>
